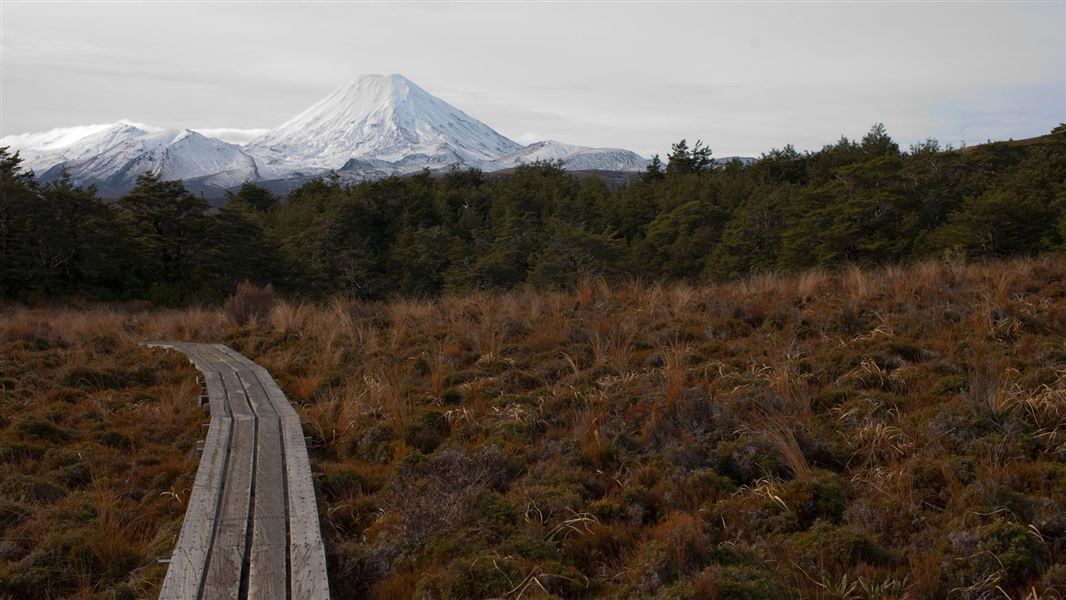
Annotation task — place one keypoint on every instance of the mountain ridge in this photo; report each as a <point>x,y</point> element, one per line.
<point>371,127</point>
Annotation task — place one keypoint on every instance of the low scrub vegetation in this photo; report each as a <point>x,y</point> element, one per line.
<point>96,451</point>
<point>894,433</point>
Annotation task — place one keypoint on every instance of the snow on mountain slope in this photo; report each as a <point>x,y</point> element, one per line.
<point>574,158</point>
<point>380,117</point>
<point>53,139</point>
<point>190,154</point>
<point>231,135</point>
<point>376,126</point>
<point>115,157</point>
<point>40,151</point>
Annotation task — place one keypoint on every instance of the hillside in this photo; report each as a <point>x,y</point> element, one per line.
<point>893,433</point>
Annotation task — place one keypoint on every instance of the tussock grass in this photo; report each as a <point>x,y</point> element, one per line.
<point>891,433</point>
<point>96,435</point>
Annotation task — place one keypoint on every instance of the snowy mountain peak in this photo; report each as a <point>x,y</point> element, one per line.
<point>367,93</point>
<point>33,144</point>
<point>373,126</point>
<point>385,88</point>
<point>380,117</point>
<point>129,123</point>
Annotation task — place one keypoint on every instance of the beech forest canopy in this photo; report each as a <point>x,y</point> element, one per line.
<point>864,202</point>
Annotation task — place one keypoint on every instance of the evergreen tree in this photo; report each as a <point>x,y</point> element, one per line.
<point>1000,222</point>
<point>678,243</point>
<point>751,241</point>
<point>683,160</point>
<point>655,171</point>
<point>257,198</point>
<point>419,259</point>
<point>571,252</point>
<point>506,259</point>
<point>238,248</point>
<point>876,142</point>
<point>168,227</point>
<point>19,218</point>
<point>83,247</point>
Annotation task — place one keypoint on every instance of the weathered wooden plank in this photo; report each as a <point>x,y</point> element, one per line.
<point>188,563</point>
<point>225,567</point>
<point>189,560</point>
<point>268,573</point>
<point>251,529</point>
<point>307,555</point>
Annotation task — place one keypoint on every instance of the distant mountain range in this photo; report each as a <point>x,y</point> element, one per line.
<point>375,126</point>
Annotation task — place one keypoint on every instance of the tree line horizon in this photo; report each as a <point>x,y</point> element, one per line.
<point>864,202</point>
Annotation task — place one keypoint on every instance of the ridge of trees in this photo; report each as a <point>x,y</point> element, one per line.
<point>862,202</point>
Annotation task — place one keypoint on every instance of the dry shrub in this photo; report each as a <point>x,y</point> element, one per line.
<point>176,401</point>
<point>761,284</point>
<point>603,544</point>
<point>683,537</point>
<point>779,432</point>
<point>585,295</point>
<point>599,401</point>
<point>988,384</point>
<point>397,585</point>
<point>588,421</point>
<point>332,419</point>
<point>438,371</point>
<point>612,344</point>
<point>856,283</point>
<point>675,373</point>
<point>682,298</point>
<point>385,396</point>
<point>791,387</point>
<point>112,541</point>
<point>188,324</point>
<point>438,493</point>
<point>250,304</point>
<point>287,316</point>
<point>809,284</point>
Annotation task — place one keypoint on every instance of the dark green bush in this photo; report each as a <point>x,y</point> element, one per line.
<point>1002,549</point>
<point>832,549</point>
<point>822,496</point>
<point>428,432</point>
<point>37,428</point>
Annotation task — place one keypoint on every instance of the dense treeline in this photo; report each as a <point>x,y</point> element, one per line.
<point>863,202</point>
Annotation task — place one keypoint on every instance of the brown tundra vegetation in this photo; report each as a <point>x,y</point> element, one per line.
<point>896,433</point>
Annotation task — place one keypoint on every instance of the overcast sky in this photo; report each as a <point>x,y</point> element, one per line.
<point>743,77</point>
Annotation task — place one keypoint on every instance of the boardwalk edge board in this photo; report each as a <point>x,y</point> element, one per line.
<point>251,528</point>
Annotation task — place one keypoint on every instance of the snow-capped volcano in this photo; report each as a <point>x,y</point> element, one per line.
<point>380,117</point>
<point>375,126</point>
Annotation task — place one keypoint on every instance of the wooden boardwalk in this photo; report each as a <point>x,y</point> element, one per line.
<point>251,530</point>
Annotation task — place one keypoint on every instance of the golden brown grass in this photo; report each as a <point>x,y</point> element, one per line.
<point>888,433</point>
<point>96,434</point>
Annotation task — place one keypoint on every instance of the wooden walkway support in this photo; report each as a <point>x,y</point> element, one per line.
<point>251,530</point>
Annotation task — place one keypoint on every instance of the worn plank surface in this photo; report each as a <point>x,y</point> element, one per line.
<point>307,556</point>
<point>251,530</point>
